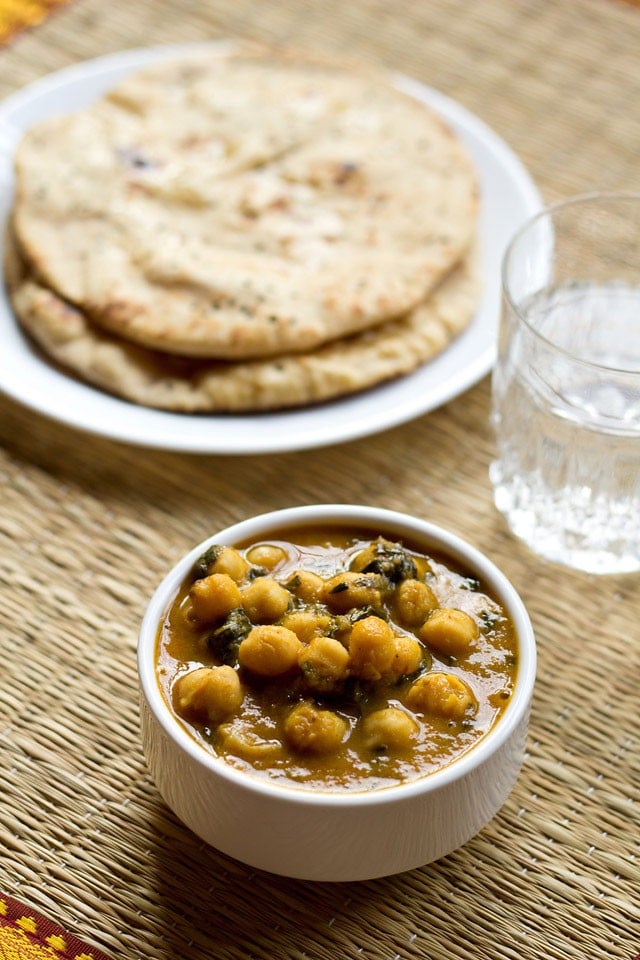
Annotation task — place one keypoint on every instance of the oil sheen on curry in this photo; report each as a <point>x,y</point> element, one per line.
<point>335,659</point>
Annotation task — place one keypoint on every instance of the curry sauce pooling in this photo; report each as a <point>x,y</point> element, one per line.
<point>335,659</point>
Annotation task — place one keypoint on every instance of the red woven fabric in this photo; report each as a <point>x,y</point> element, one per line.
<point>26,935</point>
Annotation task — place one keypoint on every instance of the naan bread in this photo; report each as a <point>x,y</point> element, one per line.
<point>172,383</point>
<point>243,206</point>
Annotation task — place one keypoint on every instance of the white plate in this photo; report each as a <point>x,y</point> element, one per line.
<point>509,196</point>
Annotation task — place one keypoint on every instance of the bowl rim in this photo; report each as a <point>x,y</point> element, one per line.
<point>343,514</point>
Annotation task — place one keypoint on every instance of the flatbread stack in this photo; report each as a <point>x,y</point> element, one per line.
<point>243,231</point>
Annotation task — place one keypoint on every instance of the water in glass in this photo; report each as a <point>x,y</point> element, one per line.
<point>566,410</point>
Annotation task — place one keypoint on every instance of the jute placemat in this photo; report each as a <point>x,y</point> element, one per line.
<point>88,527</point>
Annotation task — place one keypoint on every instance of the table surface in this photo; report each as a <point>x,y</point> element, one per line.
<point>89,526</point>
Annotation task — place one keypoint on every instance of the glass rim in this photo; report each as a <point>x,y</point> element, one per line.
<point>547,212</point>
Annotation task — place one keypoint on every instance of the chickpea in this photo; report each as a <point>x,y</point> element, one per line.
<point>182,618</point>
<point>413,602</point>
<point>240,740</point>
<point>308,729</point>
<point>269,650</point>
<point>264,600</point>
<point>307,624</point>
<point>366,556</point>
<point>324,664</point>
<point>407,658</point>
<point>226,560</point>
<point>378,654</point>
<point>389,729</point>
<point>213,597</point>
<point>266,555</point>
<point>208,694</point>
<point>386,558</point>
<point>306,585</point>
<point>449,631</point>
<point>371,648</point>
<point>442,695</point>
<point>347,590</point>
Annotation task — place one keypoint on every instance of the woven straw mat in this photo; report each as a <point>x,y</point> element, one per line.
<point>88,527</point>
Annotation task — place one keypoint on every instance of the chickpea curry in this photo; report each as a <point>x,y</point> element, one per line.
<point>335,658</point>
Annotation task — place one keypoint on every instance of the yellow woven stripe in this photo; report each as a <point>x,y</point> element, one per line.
<point>15,944</point>
<point>56,941</point>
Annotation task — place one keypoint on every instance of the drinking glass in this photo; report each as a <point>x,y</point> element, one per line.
<point>566,384</point>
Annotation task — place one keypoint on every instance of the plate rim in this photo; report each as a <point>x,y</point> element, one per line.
<point>204,440</point>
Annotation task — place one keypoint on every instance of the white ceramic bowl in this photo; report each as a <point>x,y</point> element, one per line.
<point>336,836</point>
